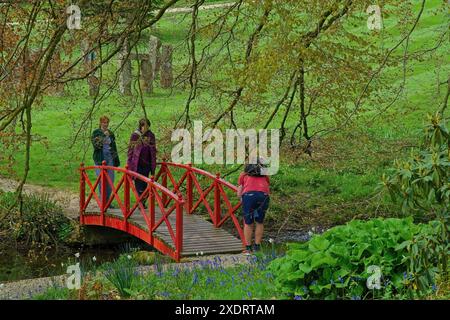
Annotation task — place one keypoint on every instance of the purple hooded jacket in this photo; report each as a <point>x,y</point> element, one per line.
<point>142,148</point>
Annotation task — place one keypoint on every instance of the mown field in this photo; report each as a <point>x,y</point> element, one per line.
<point>335,185</point>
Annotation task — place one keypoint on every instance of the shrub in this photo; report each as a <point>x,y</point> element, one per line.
<point>41,221</point>
<point>422,183</point>
<point>121,273</point>
<point>334,265</point>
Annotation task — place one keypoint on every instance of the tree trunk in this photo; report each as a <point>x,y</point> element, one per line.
<point>125,70</point>
<point>155,55</point>
<point>146,77</point>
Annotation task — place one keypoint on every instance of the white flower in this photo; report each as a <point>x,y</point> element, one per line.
<point>313,229</point>
<point>271,240</point>
<point>2,285</point>
<point>129,257</point>
<point>94,258</point>
<point>196,253</point>
<point>201,253</point>
<point>62,264</point>
<point>77,254</point>
<point>310,233</point>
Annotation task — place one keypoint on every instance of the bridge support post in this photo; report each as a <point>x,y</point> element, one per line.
<point>103,173</point>
<point>164,183</point>
<point>179,226</point>
<point>126,197</point>
<point>189,186</point>
<point>151,207</point>
<point>82,193</point>
<point>217,208</point>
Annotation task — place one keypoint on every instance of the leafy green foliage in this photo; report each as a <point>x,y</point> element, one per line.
<point>423,181</point>
<point>54,293</point>
<point>121,273</point>
<point>203,279</point>
<point>423,185</point>
<point>334,265</point>
<point>42,221</point>
<point>428,258</point>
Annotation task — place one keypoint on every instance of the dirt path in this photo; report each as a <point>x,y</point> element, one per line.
<point>68,200</point>
<point>204,7</point>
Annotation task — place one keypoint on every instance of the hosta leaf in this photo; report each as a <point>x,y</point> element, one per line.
<point>318,244</point>
<point>322,259</point>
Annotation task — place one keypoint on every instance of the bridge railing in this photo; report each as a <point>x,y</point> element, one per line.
<point>200,188</point>
<point>157,195</point>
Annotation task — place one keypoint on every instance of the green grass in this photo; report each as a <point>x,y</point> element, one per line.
<point>336,184</point>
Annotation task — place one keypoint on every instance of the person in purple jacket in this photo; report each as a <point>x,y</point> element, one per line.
<point>142,153</point>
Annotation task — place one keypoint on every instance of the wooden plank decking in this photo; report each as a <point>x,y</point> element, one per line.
<point>199,235</point>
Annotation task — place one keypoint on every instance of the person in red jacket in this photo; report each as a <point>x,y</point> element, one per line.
<point>254,189</point>
<point>142,153</point>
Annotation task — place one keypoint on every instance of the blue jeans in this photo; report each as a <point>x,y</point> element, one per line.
<point>254,206</point>
<point>109,162</point>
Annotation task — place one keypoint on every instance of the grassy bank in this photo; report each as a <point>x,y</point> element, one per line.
<point>335,185</point>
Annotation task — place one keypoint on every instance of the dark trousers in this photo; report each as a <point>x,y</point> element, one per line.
<point>141,185</point>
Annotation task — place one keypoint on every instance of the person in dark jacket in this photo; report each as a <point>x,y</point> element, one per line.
<point>105,148</point>
<point>142,153</point>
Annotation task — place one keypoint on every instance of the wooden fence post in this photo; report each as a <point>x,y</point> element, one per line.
<point>179,227</point>
<point>164,182</point>
<point>151,206</point>
<point>189,186</point>
<point>82,193</point>
<point>217,208</point>
<point>126,197</point>
<point>103,174</point>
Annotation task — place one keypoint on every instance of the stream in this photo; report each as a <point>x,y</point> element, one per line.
<point>18,264</point>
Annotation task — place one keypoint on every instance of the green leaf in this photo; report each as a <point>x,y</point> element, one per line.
<point>318,244</point>
<point>320,259</point>
<point>403,245</point>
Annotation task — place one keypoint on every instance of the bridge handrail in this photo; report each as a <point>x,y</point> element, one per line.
<point>183,199</point>
<point>217,187</point>
<point>202,172</point>
<point>137,175</point>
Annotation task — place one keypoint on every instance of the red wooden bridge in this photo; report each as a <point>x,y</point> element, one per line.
<point>182,212</point>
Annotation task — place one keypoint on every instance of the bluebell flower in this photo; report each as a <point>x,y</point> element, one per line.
<point>356,298</point>
<point>195,279</point>
<point>298,298</point>
<point>341,280</point>
<point>249,294</point>
<point>434,287</point>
